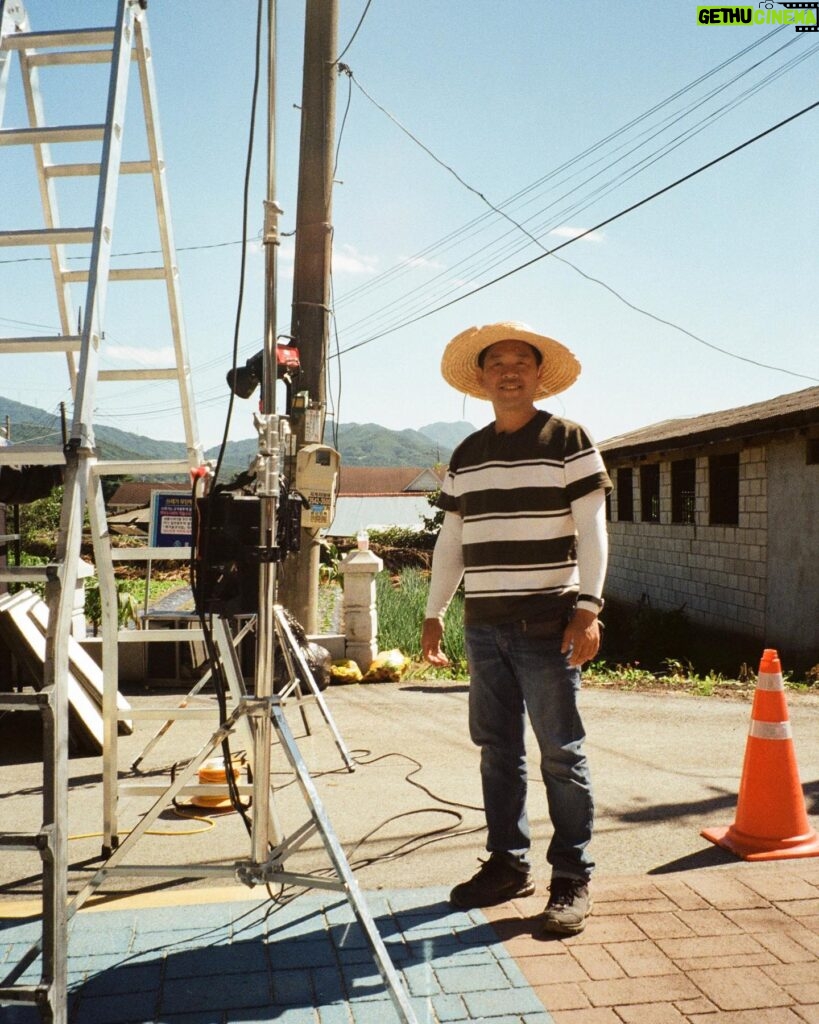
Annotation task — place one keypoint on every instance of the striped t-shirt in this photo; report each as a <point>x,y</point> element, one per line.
<point>514,493</point>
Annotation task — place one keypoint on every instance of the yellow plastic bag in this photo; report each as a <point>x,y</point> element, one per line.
<point>387,667</point>
<point>345,671</point>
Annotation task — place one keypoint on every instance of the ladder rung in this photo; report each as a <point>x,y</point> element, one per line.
<point>67,57</point>
<point>65,37</point>
<point>23,701</point>
<point>24,840</point>
<point>27,346</point>
<point>48,236</point>
<point>24,993</point>
<point>120,467</point>
<point>26,573</point>
<point>154,373</point>
<point>88,169</point>
<point>123,274</point>
<point>146,554</point>
<point>31,455</point>
<point>160,636</point>
<point>58,133</point>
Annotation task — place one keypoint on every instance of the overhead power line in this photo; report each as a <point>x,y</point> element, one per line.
<point>572,167</point>
<point>604,223</point>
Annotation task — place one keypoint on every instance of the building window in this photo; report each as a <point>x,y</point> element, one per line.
<point>683,490</point>
<point>625,496</point>
<point>650,493</point>
<point>723,489</point>
<point>812,451</point>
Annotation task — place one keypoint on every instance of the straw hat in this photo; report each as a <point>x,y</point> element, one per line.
<point>559,368</point>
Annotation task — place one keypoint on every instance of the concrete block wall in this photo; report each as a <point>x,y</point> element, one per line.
<point>719,573</point>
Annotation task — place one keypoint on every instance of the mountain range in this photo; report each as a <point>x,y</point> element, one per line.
<point>360,444</point>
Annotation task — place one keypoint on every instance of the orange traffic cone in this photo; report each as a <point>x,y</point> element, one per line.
<point>771,821</point>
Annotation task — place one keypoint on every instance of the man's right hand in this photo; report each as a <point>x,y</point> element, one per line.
<point>431,643</point>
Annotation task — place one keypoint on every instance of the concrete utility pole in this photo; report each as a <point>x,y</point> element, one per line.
<point>298,579</point>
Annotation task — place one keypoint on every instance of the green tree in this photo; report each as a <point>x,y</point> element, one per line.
<point>40,523</point>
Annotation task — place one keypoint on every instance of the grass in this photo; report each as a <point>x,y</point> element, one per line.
<point>401,600</point>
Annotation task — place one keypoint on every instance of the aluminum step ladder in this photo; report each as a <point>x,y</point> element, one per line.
<point>81,291</point>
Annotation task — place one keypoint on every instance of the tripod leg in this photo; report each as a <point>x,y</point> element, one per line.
<point>288,642</point>
<point>338,858</point>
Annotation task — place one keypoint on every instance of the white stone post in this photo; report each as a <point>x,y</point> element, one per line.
<point>78,627</point>
<point>359,569</point>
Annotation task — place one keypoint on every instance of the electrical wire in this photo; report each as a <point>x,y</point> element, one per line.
<point>355,32</point>
<point>479,261</point>
<point>135,252</point>
<point>200,547</point>
<point>577,160</point>
<point>610,220</point>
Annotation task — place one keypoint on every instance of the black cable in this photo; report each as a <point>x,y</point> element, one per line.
<point>570,162</point>
<point>200,544</point>
<point>597,227</point>
<point>355,33</point>
<point>245,208</point>
<point>462,269</point>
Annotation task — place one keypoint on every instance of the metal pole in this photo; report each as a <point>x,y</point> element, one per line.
<point>311,282</point>
<point>268,479</point>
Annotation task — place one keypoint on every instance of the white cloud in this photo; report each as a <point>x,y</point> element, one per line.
<point>141,356</point>
<point>348,260</point>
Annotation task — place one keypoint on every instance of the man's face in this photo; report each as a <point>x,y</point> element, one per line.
<point>510,374</point>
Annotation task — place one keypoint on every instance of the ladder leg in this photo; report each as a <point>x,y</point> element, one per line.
<point>60,595</point>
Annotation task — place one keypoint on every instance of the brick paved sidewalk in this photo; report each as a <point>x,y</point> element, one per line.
<point>737,945</point>
<point>734,945</point>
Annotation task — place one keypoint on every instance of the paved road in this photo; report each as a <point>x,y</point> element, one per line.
<point>664,767</point>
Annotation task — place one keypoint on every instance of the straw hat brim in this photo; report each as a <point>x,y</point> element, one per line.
<point>559,367</point>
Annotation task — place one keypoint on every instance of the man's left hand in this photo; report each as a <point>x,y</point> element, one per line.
<point>581,638</point>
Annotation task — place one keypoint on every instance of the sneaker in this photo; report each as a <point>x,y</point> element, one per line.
<point>495,882</point>
<point>568,907</point>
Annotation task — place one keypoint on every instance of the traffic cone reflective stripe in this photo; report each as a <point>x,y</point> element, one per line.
<point>771,730</point>
<point>771,820</point>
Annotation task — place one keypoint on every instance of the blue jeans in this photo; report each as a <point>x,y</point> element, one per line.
<point>512,673</point>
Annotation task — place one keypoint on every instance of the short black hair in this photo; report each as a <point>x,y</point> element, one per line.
<point>483,351</point>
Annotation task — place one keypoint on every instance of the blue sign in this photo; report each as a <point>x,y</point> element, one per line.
<point>171,519</point>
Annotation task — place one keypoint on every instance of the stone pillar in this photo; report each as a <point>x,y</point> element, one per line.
<point>359,569</point>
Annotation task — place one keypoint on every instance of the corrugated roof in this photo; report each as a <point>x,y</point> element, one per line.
<point>372,512</point>
<point>386,479</point>
<point>787,412</point>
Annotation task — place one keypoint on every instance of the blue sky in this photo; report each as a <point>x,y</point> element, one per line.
<point>509,96</point>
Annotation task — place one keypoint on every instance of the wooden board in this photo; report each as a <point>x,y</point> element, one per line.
<point>83,666</point>
<point>23,624</point>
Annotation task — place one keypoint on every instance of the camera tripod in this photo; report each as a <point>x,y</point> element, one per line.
<point>301,683</point>
<point>257,714</point>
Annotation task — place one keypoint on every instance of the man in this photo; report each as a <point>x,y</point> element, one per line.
<point>525,526</point>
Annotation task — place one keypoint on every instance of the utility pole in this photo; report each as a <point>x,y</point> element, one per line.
<point>311,282</point>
